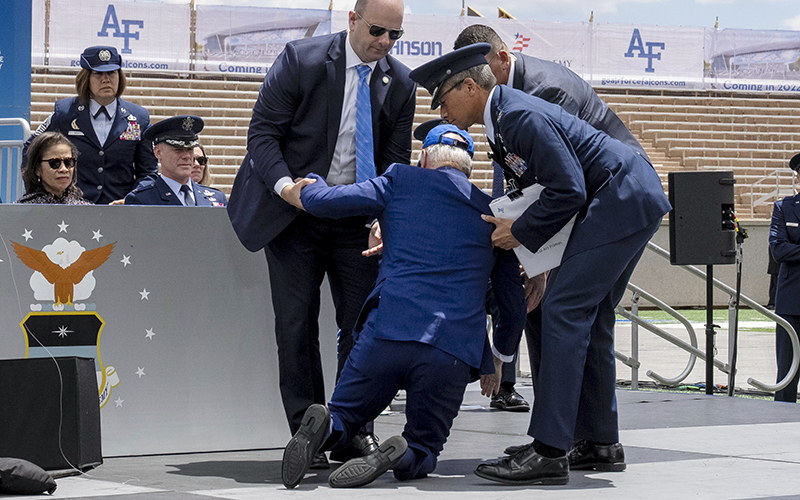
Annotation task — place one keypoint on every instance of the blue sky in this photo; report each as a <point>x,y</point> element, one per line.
<point>746,14</point>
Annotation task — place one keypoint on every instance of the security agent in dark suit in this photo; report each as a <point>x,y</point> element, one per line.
<point>784,245</point>
<point>306,121</point>
<point>174,140</point>
<point>619,202</point>
<point>106,129</point>
<point>559,85</point>
<point>423,327</point>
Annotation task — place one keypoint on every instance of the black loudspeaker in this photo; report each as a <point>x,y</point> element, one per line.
<point>701,223</point>
<point>34,403</point>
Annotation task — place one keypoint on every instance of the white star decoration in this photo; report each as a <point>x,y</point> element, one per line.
<point>126,260</point>
<point>119,401</point>
<point>62,227</point>
<point>27,234</point>
<point>145,294</point>
<point>62,331</point>
<point>140,371</point>
<point>150,333</point>
<point>97,235</point>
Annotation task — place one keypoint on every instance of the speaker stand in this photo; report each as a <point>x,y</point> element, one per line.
<point>710,329</point>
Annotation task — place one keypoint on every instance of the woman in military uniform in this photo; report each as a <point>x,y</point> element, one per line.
<point>106,129</point>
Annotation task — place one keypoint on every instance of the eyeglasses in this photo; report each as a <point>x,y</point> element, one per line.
<point>202,160</point>
<point>440,97</point>
<point>377,31</point>
<point>55,163</point>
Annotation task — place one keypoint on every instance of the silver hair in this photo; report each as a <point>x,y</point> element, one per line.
<point>442,155</point>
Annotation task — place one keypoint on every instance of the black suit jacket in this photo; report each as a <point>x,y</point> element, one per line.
<point>295,126</point>
<point>557,84</point>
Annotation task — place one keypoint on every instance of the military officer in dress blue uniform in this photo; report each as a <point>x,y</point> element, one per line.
<point>437,259</point>
<point>619,202</point>
<point>174,140</point>
<point>784,245</point>
<point>106,129</point>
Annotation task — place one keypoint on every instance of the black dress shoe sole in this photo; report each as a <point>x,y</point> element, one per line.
<point>299,453</point>
<point>504,407</point>
<point>600,466</point>
<point>548,480</point>
<point>364,470</point>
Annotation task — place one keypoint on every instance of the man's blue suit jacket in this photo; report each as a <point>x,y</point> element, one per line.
<point>784,244</point>
<point>159,193</point>
<point>437,259</point>
<point>614,191</point>
<point>295,127</point>
<point>106,172</point>
<point>557,84</point>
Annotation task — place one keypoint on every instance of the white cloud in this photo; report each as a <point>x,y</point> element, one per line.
<point>792,23</point>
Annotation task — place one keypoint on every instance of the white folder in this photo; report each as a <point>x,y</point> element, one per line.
<point>549,255</point>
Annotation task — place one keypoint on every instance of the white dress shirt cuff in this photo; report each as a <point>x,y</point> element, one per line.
<point>502,357</point>
<point>282,183</point>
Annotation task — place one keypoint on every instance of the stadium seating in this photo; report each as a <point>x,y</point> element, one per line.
<point>753,135</point>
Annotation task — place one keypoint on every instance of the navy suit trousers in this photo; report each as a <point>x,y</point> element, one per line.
<point>375,370</point>
<point>783,352</point>
<point>575,392</point>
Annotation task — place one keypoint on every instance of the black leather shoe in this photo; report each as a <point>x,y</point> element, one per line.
<point>320,461</point>
<point>363,470</point>
<point>509,401</point>
<point>512,450</point>
<point>360,446</point>
<point>589,456</point>
<point>526,467</point>
<point>304,445</point>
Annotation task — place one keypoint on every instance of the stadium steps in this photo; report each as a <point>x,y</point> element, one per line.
<point>751,134</point>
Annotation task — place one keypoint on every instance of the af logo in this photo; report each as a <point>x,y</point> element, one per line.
<point>60,322</point>
<point>112,23</point>
<point>636,45</point>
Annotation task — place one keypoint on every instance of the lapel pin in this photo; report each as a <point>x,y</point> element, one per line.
<point>385,80</point>
<point>81,107</point>
<point>74,124</point>
<point>122,110</point>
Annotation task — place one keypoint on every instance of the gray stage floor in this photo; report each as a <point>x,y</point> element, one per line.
<point>677,446</point>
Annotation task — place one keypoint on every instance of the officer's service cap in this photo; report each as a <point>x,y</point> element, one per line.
<point>794,163</point>
<point>101,58</point>
<point>179,131</point>
<point>433,74</point>
<point>437,136</point>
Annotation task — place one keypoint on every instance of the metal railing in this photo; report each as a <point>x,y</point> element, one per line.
<point>772,195</point>
<point>11,187</point>
<point>691,347</point>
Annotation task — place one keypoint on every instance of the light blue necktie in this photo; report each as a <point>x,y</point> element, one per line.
<point>365,151</point>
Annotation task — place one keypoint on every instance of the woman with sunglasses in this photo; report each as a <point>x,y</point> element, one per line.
<point>50,174</point>
<point>106,129</point>
<point>202,177</point>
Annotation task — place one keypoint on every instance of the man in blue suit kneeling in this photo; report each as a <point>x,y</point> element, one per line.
<point>423,327</point>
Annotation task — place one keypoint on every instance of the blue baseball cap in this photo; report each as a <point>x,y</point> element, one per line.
<point>101,58</point>
<point>437,136</point>
<point>433,74</point>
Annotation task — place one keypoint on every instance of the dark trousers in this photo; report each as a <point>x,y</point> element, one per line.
<point>575,393</point>
<point>298,260</point>
<point>783,352</point>
<point>376,368</point>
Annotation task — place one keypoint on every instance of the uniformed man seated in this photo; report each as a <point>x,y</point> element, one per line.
<point>174,140</point>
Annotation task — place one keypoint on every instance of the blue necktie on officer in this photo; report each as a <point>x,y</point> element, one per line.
<point>365,150</point>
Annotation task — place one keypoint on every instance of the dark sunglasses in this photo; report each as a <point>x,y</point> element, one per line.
<point>55,163</point>
<point>377,31</point>
<point>202,160</point>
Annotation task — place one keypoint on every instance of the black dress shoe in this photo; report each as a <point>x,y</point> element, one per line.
<point>509,400</point>
<point>363,470</point>
<point>320,461</point>
<point>360,446</point>
<point>526,467</point>
<point>304,445</point>
<point>602,457</point>
<point>512,450</point>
